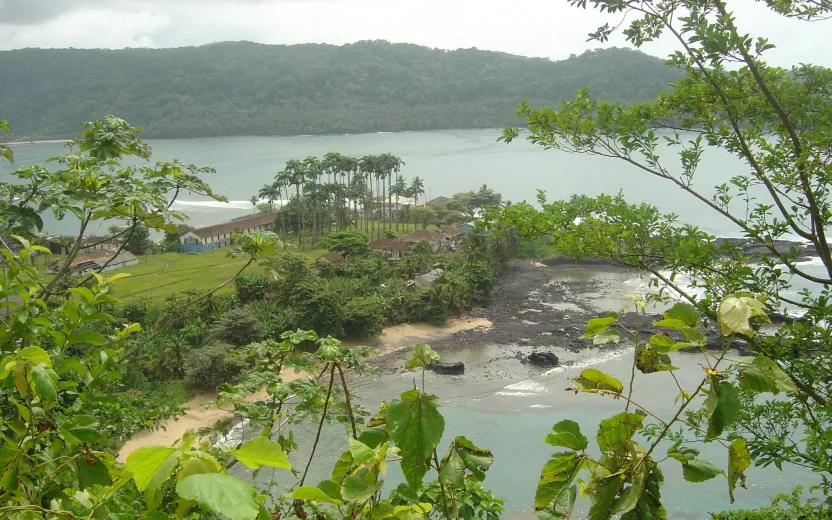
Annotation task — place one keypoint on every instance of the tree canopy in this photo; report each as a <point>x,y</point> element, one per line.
<point>242,88</point>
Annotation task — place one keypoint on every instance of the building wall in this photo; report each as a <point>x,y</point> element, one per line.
<point>198,248</point>
<point>113,266</point>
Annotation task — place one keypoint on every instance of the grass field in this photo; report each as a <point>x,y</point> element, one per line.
<point>157,276</point>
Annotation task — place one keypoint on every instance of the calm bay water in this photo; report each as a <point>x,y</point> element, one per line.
<point>448,161</point>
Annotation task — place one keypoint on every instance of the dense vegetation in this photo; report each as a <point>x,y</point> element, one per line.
<point>252,89</point>
<point>769,408</point>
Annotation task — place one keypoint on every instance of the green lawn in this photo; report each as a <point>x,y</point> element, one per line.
<point>157,276</point>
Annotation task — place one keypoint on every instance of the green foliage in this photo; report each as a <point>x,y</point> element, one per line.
<point>238,327</point>
<point>415,425</point>
<point>350,243</point>
<point>212,365</point>
<point>783,507</point>
<point>251,287</point>
<point>267,89</point>
<point>363,317</point>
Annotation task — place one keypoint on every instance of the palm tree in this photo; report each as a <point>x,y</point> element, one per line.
<point>399,190</point>
<point>282,180</point>
<point>349,166</point>
<point>254,200</point>
<point>270,192</point>
<point>314,171</point>
<point>296,172</point>
<point>368,166</point>
<point>417,187</point>
<point>390,165</point>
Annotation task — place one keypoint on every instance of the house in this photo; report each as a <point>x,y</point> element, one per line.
<point>100,243</point>
<point>219,235</point>
<point>438,201</point>
<point>451,233</point>
<point>332,257</point>
<point>96,260</point>
<point>393,247</point>
<point>428,279</point>
<point>435,238</point>
<point>466,227</point>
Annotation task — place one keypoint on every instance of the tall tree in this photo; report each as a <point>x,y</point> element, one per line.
<point>253,200</point>
<point>417,187</point>
<point>296,175</point>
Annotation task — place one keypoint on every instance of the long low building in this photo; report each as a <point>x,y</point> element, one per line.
<point>220,235</point>
<point>97,259</point>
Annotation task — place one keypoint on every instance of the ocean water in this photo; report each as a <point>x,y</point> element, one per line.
<point>448,161</point>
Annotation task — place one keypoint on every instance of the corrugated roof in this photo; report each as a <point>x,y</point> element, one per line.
<point>100,257</point>
<point>449,230</point>
<point>333,258</point>
<point>387,243</point>
<point>422,234</point>
<point>261,219</point>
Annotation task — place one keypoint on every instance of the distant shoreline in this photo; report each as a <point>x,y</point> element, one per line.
<point>44,141</point>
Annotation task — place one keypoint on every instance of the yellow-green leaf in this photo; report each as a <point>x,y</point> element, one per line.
<point>260,452</point>
<point>221,493</point>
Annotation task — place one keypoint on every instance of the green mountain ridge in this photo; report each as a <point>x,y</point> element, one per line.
<point>243,88</point>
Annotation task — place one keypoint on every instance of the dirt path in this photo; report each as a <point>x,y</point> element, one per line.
<point>392,339</point>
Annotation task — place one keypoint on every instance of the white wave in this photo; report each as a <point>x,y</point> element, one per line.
<point>540,406</point>
<point>231,204</point>
<point>589,362</point>
<point>815,260</point>
<point>523,389</point>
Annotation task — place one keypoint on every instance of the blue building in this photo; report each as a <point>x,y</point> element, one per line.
<point>220,235</point>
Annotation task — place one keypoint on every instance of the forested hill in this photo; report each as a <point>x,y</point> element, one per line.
<point>240,88</point>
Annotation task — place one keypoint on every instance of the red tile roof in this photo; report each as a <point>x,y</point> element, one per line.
<point>333,258</point>
<point>389,244</point>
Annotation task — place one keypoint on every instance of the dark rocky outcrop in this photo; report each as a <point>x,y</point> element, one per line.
<point>543,359</point>
<point>448,369</point>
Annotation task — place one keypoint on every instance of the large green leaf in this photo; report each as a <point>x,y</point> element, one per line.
<point>762,374</point>
<point>616,432</point>
<point>86,336</point>
<point>421,356</point>
<point>593,380</point>
<point>629,498</point>
<point>567,434</point>
<point>416,426</point>
<point>735,312</point>
<point>146,461</point>
<point>221,493</point>
<point>361,453</point>
<point>84,428</point>
<point>313,493</point>
<point>739,460</point>
<point>649,505</point>
<point>684,312</point>
<point>197,466</point>
<point>597,325</point>
<point>35,355</point>
<point>329,349</point>
<point>91,472</point>
<point>260,451</point>
<point>357,489</point>
<point>723,404</point>
<point>556,477</point>
<point>43,381</point>
<point>607,336</point>
<point>698,470</point>
<point>463,455</point>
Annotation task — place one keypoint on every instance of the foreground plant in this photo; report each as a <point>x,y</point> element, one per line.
<point>774,121</point>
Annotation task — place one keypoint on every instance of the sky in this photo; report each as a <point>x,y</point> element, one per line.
<point>539,28</point>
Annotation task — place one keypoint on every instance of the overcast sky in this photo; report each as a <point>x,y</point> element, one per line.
<point>545,28</point>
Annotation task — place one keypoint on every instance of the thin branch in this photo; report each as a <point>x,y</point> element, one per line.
<point>320,425</point>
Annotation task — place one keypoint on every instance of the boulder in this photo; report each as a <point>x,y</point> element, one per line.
<point>448,369</point>
<point>543,359</point>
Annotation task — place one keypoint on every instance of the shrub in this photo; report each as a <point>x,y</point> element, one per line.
<point>363,317</point>
<point>318,307</point>
<point>419,306</point>
<point>239,327</point>
<point>251,287</point>
<point>210,366</point>
<point>275,318</point>
<point>783,507</point>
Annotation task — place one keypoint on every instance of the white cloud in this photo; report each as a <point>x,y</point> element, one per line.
<point>549,28</point>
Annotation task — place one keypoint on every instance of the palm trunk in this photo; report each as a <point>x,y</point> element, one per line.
<point>300,219</point>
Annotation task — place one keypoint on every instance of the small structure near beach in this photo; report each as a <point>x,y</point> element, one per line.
<point>428,279</point>
<point>103,258</point>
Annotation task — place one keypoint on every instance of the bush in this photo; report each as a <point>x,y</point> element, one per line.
<point>251,287</point>
<point>239,327</point>
<point>134,312</point>
<point>275,318</point>
<point>363,317</point>
<point>318,307</point>
<point>419,306</point>
<point>783,507</point>
<point>208,367</point>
